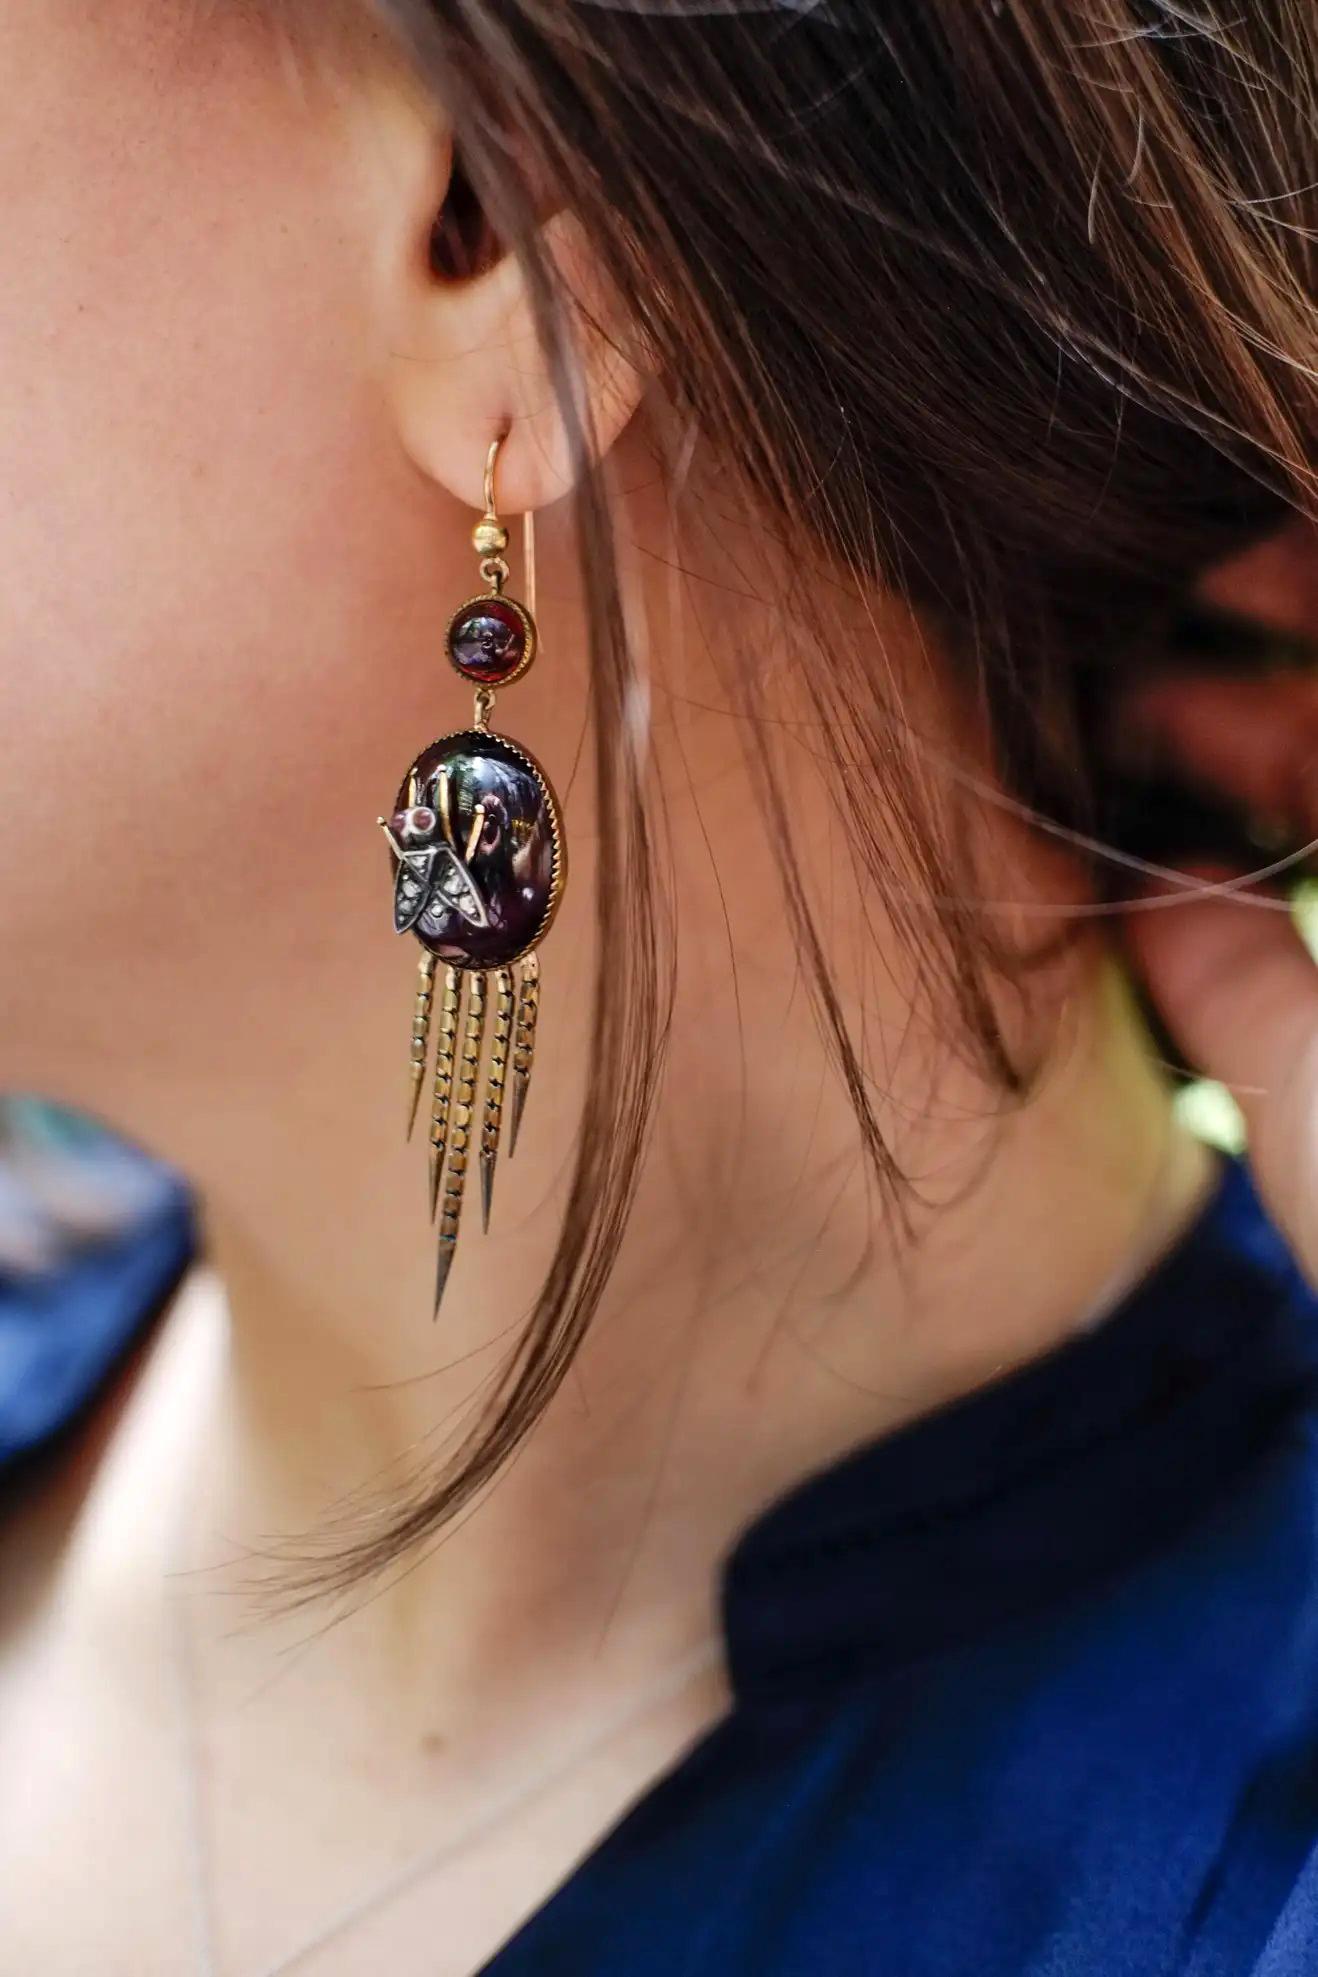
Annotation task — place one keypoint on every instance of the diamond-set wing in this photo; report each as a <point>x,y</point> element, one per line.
<point>433,875</point>
<point>411,888</point>
<point>452,882</point>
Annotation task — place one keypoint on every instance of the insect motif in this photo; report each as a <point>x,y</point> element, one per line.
<point>430,868</point>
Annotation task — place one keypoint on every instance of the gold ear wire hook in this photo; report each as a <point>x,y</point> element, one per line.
<point>528,559</point>
<point>491,462</point>
<point>491,516</point>
<point>490,537</point>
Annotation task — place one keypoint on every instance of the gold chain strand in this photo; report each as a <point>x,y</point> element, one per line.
<point>494,1085</point>
<point>528,1010</point>
<point>445,1050</point>
<point>425,989</point>
<point>464,1106</point>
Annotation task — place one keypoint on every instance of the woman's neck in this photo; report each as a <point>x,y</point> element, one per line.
<point>766,1312</point>
<point>765,1316</point>
<point>758,1325</point>
<point>488,1713</point>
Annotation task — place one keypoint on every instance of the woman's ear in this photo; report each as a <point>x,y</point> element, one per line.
<point>467,362</point>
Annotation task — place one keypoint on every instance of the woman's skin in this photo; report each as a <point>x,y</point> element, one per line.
<point>244,433</point>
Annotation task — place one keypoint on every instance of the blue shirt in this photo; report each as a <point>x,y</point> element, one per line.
<point>1027,1690</point>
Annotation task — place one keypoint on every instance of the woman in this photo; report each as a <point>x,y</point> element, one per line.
<point>878,379</point>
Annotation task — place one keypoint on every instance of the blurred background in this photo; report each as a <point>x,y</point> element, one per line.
<point>94,1237</point>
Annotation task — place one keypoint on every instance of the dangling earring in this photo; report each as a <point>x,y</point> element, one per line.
<point>479,868</point>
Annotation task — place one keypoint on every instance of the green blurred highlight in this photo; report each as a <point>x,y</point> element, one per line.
<point>1211,1114</point>
<point>1208,1109</point>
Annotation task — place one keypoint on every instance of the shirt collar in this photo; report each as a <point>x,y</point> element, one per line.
<point>1055,1478</point>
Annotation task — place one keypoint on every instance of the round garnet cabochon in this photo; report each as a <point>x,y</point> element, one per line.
<point>491,641</point>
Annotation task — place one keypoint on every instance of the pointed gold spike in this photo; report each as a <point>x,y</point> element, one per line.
<point>474,834</point>
<point>459,1139</point>
<point>443,1264</point>
<point>425,989</point>
<point>528,1010</point>
<point>445,1051</point>
<point>494,1087</point>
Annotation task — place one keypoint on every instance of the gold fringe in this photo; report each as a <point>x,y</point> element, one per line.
<point>445,1050</point>
<point>494,1087</point>
<point>528,1010</point>
<point>425,989</point>
<point>459,1138</point>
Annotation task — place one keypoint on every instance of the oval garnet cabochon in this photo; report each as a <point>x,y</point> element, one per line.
<point>489,896</point>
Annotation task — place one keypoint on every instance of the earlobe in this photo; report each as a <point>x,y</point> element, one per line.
<point>469,364</point>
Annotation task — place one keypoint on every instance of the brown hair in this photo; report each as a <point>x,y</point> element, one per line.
<point>1006,303</point>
